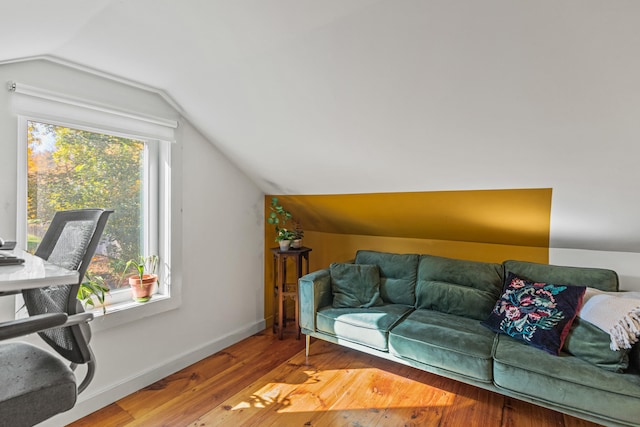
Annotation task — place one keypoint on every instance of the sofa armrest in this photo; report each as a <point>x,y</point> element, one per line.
<point>314,292</point>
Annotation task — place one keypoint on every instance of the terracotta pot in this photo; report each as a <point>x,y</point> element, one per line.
<point>142,290</point>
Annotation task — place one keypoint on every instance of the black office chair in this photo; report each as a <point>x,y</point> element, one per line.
<point>36,384</point>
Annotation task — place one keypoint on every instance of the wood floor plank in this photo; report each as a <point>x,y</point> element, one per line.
<point>216,378</point>
<point>254,400</point>
<point>113,414</point>
<point>247,352</point>
<point>276,389</point>
<point>570,421</point>
<point>414,402</point>
<point>517,413</point>
<point>380,385</point>
<point>196,401</point>
<point>473,407</point>
<point>419,400</point>
<point>360,399</point>
<point>263,381</point>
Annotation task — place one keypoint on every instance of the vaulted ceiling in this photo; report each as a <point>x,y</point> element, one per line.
<point>357,96</point>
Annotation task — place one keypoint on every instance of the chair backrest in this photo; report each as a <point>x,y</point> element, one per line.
<point>70,242</point>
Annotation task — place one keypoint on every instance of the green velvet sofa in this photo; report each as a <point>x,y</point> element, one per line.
<point>429,315</point>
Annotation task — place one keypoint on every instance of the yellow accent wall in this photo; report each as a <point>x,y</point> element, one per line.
<point>479,225</point>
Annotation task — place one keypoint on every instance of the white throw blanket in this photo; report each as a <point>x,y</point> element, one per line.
<point>617,313</point>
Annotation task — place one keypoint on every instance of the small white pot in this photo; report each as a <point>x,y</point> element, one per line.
<point>284,245</point>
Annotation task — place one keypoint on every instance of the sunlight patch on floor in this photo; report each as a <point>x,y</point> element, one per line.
<point>367,389</point>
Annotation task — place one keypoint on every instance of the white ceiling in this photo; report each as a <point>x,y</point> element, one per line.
<point>348,96</point>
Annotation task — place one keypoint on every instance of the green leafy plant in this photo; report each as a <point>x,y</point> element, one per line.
<point>145,280</point>
<point>298,232</point>
<point>284,234</point>
<point>142,265</point>
<point>278,217</point>
<point>93,286</point>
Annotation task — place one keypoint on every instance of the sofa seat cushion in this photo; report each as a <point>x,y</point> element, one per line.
<point>565,380</point>
<point>445,341</point>
<point>367,326</point>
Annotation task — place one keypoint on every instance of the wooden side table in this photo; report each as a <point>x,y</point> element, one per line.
<point>284,290</point>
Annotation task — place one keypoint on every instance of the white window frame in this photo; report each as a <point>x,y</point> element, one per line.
<point>157,208</point>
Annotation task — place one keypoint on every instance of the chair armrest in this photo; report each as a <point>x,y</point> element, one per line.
<point>30,325</point>
<point>314,292</point>
<point>5,293</point>
<point>76,319</point>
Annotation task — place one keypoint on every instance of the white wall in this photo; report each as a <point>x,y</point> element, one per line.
<point>217,248</point>
<point>420,95</point>
<point>624,263</point>
<point>445,95</point>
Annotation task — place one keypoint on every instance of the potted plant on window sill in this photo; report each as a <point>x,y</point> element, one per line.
<point>145,282</point>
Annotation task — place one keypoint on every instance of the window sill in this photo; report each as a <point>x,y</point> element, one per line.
<point>128,311</point>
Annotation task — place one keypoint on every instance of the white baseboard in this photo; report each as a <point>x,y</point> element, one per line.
<point>98,399</point>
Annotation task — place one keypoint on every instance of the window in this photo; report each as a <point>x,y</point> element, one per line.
<point>70,168</point>
<point>76,152</point>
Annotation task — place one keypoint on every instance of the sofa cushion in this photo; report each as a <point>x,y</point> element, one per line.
<point>617,313</point>
<point>355,285</point>
<point>592,344</point>
<point>397,275</point>
<point>634,360</point>
<point>460,287</point>
<point>445,341</point>
<point>566,381</point>
<point>605,280</point>
<point>539,314</point>
<point>367,326</point>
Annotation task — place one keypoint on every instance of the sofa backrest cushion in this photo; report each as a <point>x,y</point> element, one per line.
<point>464,288</point>
<point>599,278</point>
<point>634,360</point>
<point>398,274</point>
<point>355,285</point>
<point>590,343</point>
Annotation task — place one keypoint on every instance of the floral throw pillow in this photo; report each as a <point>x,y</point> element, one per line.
<point>539,314</point>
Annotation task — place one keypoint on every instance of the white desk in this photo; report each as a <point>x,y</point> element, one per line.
<point>34,273</point>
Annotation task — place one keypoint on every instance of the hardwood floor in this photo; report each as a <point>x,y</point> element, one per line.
<point>262,381</point>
